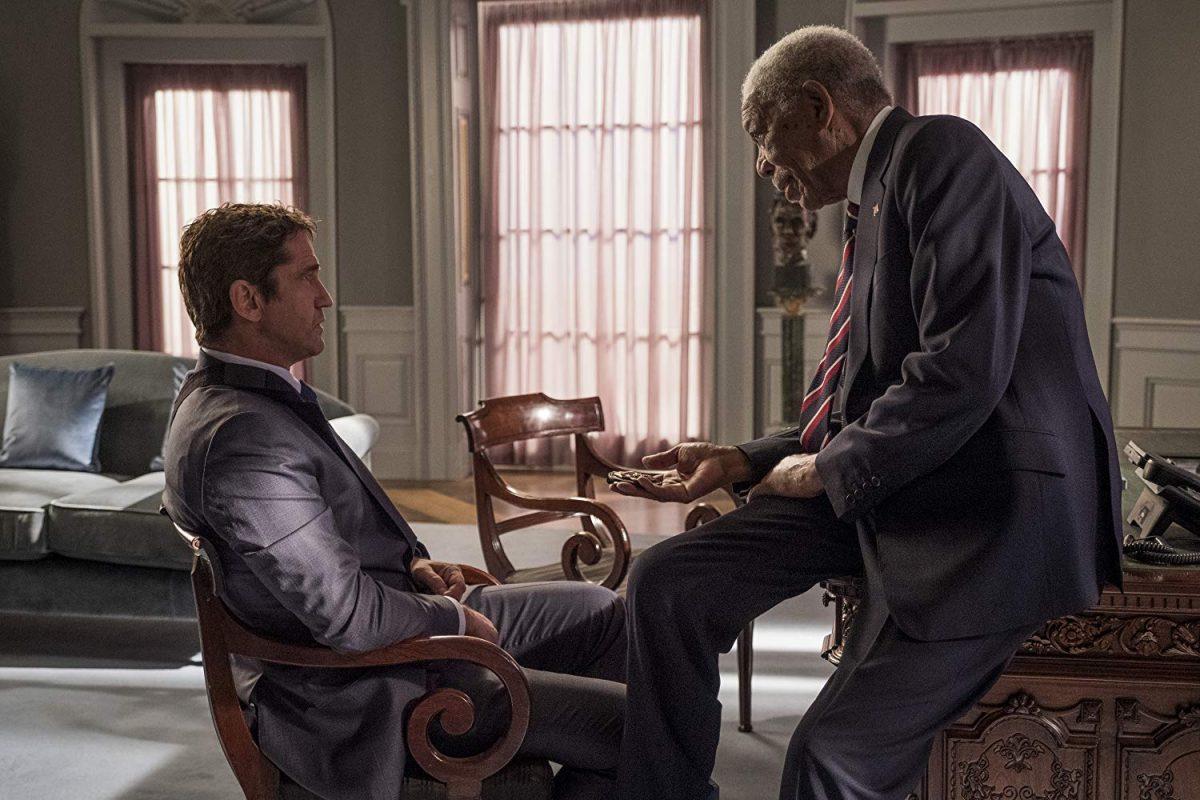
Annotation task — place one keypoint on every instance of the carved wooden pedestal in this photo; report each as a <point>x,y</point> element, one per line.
<point>1100,705</point>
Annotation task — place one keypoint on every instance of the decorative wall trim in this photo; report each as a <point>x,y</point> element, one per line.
<point>113,33</point>
<point>730,209</point>
<point>32,329</point>
<point>381,371</point>
<point>770,346</point>
<point>444,381</point>
<point>1156,372</point>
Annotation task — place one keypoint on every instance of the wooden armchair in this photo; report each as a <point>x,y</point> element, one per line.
<point>467,778</point>
<point>601,552</point>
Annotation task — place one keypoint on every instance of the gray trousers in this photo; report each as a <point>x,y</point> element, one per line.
<point>569,638</point>
<point>868,734</point>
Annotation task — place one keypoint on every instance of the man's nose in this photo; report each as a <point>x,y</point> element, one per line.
<point>324,300</point>
<point>764,168</point>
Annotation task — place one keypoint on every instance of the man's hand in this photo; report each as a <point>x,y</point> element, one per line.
<point>794,476</point>
<point>700,467</point>
<point>439,577</point>
<point>480,626</point>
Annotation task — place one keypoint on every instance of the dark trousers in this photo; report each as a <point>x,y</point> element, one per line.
<point>570,640</point>
<point>868,733</point>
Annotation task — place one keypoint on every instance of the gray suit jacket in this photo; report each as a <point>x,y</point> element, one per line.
<point>311,550</point>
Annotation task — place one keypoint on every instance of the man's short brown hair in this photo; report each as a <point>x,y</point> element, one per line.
<point>236,241</point>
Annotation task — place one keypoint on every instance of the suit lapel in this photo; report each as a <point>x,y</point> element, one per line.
<point>866,252</point>
<point>315,418</point>
<point>212,371</point>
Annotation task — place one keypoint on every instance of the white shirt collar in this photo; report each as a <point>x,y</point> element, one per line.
<point>250,362</point>
<point>858,170</point>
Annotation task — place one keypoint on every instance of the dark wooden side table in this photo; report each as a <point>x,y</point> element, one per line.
<point>1100,705</point>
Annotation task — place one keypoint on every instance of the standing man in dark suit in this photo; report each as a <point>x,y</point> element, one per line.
<point>955,447</point>
<point>312,550</point>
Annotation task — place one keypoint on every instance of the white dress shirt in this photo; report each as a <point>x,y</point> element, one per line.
<point>230,358</point>
<point>858,170</point>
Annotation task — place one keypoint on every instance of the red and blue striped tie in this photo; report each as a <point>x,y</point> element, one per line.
<point>814,412</point>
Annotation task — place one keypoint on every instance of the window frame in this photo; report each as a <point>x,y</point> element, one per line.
<point>884,23</point>
<point>105,49</point>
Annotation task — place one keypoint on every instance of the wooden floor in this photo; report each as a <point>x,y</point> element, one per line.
<point>454,501</point>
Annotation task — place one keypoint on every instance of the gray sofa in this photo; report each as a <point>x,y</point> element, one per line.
<point>94,543</point>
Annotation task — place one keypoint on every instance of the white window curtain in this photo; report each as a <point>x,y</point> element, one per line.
<point>1032,97</point>
<point>203,135</point>
<point>594,240</point>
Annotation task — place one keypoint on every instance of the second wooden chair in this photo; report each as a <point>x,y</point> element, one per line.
<point>602,551</point>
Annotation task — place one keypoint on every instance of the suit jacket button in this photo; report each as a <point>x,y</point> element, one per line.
<point>875,481</point>
<point>850,499</point>
<point>858,493</point>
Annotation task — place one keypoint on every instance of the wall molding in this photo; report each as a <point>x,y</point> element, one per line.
<point>444,381</point>
<point>381,380</point>
<point>729,273</point>
<point>32,329</point>
<point>1156,372</point>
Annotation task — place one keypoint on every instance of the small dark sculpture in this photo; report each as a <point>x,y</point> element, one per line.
<point>792,227</point>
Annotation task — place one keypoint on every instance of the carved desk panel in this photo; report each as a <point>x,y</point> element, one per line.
<point>1102,705</point>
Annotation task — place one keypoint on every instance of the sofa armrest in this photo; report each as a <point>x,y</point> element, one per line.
<point>359,432</point>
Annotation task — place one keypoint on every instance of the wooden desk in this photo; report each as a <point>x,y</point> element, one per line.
<point>1096,706</point>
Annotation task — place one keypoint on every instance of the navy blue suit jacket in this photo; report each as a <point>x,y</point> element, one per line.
<point>977,455</point>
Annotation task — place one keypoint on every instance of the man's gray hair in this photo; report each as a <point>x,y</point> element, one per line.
<point>833,57</point>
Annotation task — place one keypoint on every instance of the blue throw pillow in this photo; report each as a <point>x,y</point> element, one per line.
<point>53,417</point>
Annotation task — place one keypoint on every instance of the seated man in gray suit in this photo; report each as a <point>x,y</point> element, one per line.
<point>313,551</point>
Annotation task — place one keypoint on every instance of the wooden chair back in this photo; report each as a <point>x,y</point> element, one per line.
<point>516,418</point>
<point>500,421</point>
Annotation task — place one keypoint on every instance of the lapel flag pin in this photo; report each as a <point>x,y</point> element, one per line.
<point>875,210</point>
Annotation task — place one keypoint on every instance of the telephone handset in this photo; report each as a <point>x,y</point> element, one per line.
<point>1171,495</point>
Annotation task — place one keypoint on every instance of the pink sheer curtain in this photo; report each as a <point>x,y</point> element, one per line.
<point>594,239</point>
<point>202,135</point>
<point>1032,97</point>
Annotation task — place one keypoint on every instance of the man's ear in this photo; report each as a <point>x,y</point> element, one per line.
<point>246,300</point>
<point>818,102</point>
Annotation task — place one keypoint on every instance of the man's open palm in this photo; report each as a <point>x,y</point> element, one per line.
<point>699,468</point>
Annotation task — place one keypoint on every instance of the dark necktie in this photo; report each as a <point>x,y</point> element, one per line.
<point>814,412</point>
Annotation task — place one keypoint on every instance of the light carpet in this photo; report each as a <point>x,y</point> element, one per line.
<point>104,709</point>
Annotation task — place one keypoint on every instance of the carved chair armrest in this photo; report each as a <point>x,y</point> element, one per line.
<point>582,546</point>
<point>451,707</point>
<point>475,577</point>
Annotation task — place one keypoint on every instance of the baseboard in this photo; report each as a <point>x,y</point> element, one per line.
<point>379,343</point>
<point>1156,372</point>
<point>32,329</point>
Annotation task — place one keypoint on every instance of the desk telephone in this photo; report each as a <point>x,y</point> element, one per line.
<point>1171,495</point>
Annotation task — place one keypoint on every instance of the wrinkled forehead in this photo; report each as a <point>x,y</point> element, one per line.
<point>754,115</point>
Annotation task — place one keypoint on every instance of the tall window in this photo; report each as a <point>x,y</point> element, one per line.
<point>1032,97</point>
<point>203,135</point>
<point>593,259</point>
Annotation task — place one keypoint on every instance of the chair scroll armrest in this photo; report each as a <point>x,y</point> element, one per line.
<point>477,577</point>
<point>223,635</point>
<point>451,707</point>
<point>700,514</point>
<point>582,546</point>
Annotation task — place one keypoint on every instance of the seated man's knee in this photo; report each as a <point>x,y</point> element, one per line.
<point>601,604</point>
